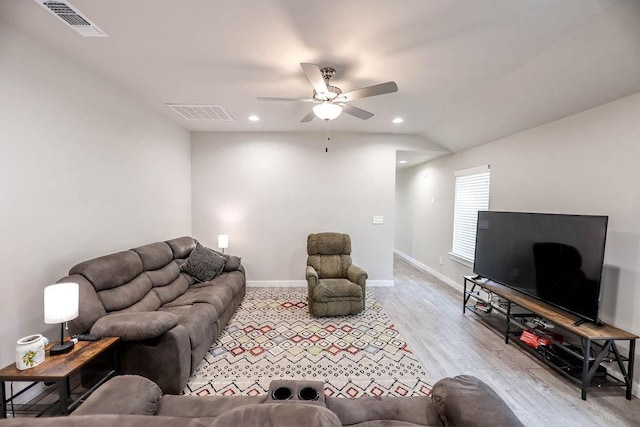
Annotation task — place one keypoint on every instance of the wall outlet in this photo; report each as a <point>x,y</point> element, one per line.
<point>440,260</point>
<point>378,219</point>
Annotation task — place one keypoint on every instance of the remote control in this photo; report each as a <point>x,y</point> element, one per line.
<point>86,337</point>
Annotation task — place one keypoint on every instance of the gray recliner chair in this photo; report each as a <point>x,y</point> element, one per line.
<point>336,287</point>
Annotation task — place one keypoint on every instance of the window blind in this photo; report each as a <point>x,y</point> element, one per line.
<point>471,196</point>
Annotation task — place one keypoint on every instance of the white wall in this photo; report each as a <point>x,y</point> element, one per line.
<point>583,164</point>
<point>268,191</point>
<point>84,170</point>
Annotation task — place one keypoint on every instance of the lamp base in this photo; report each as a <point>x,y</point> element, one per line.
<point>61,348</point>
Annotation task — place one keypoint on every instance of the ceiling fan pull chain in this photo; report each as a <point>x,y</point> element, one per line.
<point>326,134</point>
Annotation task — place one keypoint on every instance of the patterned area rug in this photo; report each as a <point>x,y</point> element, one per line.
<point>272,336</point>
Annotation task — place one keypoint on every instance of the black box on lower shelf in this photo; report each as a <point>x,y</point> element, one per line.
<point>568,362</point>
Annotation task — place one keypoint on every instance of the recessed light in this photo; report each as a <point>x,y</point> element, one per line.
<point>402,162</point>
<point>254,118</point>
<point>397,120</point>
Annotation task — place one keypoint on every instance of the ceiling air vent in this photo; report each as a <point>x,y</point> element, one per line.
<point>72,17</point>
<point>202,112</point>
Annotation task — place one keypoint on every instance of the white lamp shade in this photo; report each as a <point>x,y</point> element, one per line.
<point>223,241</point>
<point>327,110</point>
<point>61,302</point>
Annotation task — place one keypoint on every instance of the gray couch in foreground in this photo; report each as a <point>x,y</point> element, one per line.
<point>166,318</point>
<point>135,401</point>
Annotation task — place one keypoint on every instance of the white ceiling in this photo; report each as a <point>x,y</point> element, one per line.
<point>468,71</point>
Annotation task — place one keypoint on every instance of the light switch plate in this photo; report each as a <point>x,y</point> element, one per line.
<point>378,219</point>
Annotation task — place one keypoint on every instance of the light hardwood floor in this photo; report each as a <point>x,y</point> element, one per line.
<point>429,315</point>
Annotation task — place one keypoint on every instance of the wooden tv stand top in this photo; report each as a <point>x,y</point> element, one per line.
<point>555,315</point>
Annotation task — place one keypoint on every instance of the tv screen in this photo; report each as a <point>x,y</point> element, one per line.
<point>555,258</point>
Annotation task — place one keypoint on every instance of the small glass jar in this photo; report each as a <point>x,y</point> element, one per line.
<point>30,351</point>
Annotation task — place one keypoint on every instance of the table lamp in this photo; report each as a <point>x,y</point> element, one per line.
<point>60,306</point>
<point>223,241</point>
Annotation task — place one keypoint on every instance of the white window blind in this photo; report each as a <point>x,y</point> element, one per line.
<point>471,196</point>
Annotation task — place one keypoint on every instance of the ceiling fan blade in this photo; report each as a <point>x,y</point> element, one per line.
<point>381,89</point>
<point>268,98</point>
<point>308,117</point>
<point>314,76</point>
<point>356,112</point>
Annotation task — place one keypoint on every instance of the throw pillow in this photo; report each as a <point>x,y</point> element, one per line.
<point>222,254</point>
<point>203,263</point>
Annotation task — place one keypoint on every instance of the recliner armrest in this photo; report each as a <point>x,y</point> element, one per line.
<point>312,276</point>
<point>357,275</point>
<point>466,400</point>
<point>134,326</point>
<point>125,394</point>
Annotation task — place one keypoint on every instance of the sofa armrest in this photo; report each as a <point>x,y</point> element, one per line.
<point>134,326</point>
<point>165,360</point>
<point>312,276</point>
<point>465,400</point>
<point>125,394</point>
<point>357,275</point>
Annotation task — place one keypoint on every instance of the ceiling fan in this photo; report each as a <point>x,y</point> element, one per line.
<point>330,101</point>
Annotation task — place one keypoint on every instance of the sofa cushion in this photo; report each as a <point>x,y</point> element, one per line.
<point>204,406</point>
<point>234,280</point>
<point>134,326</point>
<point>330,266</point>
<point>328,244</point>
<point>105,421</point>
<point>165,275</point>
<point>278,414</point>
<point>232,263</point>
<point>173,290</point>
<point>155,255</point>
<point>465,400</point>
<point>91,308</point>
<point>126,294</point>
<point>110,271</point>
<point>332,289</point>
<point>203,263</point>
<point>415,409</point>
<point>198,319</point>
<point>150,302</point>
<point>114,398</point>
<point>218,296</point>
<point>182,246</point>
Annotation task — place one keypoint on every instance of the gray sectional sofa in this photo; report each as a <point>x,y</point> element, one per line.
<point>165,317</point>
<point>133,401</point>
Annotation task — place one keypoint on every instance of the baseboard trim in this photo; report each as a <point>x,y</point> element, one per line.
<point>423,267</point>
<point>380,283</point>
<point>303,283</point>
<point>276,283</point>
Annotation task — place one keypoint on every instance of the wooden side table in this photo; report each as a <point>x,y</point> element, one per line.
<point>59,369</point>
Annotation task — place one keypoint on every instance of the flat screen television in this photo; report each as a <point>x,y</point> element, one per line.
<point>553,257</point>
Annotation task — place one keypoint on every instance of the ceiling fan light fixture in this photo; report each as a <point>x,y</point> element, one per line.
<point>327,110</point>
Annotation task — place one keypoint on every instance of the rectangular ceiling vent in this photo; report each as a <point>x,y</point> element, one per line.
<point>202,112</point>
<point>72,17</point>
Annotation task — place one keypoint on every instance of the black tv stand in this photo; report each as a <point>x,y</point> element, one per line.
<point>579,355</point>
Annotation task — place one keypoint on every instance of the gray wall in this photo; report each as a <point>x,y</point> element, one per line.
<point>583,164</point>
<point>85,171</point>
<point>268,191</point>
